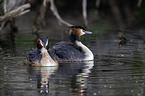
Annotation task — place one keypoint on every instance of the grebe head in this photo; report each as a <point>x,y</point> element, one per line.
<point>46,59</point>
<point>43,44</point>
<point>76,32</point>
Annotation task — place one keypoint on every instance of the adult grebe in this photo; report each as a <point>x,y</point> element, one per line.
<point>75,51</point>
<point>42,55</point>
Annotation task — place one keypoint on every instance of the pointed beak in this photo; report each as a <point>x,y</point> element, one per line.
<point>88,32</point>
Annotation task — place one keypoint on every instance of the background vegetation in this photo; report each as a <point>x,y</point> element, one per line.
<point>92,14</point>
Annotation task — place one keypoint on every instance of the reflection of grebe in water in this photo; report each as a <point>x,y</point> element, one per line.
<point>42,76</point>
<point>77,74</point>
<point>68,77</point>
<point>82,77</point>
<point>75,51</point>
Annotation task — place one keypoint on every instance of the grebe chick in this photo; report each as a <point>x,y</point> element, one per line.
<point>42,55</point>
<point>122,38</point>
<point>74,50</point>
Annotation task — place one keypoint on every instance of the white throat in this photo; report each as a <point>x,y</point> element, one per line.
<point>46,59</point>
<point>88,54</point>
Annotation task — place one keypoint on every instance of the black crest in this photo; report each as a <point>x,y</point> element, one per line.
<point>77,27</point>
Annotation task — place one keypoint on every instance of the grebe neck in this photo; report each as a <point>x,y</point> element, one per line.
<point>87,52</point>
<point>46,59</point>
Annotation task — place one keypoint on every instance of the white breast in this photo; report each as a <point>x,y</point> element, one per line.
<point>88,54</point>
<point>46,59</point>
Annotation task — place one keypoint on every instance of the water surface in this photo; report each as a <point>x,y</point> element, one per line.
<point>118,70</point>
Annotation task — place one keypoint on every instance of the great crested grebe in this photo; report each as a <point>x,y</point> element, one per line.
<point>75,51</point>
<point>42,55</point>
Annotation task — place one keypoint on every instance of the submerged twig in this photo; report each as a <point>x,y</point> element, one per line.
<point>55,12</point>
<point>84,8</point>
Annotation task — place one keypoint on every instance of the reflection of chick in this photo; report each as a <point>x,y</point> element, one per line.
<point>123,40</point>
<point>46,72</point>
<point>42,75</point>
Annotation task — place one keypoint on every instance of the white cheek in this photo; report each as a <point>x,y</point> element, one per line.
<point>46,43</point>
<point>41,43</point>
<point>82,32</point>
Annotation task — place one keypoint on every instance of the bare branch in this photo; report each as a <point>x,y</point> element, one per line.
<point>139,3</point>
<point>115,10</point>
<point>5,6</point>
<point>15,12</point>
<point>98,3</point>
<point>55,12</point>
<point>22,13</point>
<point>84,5</point>
<point>44,2</point>
<point>2,25</point>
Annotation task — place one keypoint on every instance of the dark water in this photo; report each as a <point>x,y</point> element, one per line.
<point>116,70</point>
